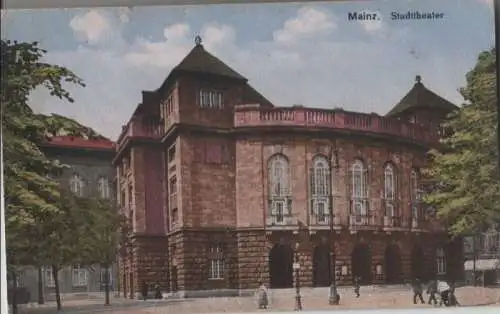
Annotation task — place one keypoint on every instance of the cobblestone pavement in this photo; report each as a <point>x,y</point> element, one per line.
<point>313,299</point>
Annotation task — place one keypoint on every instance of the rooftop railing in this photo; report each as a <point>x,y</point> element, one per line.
<point>256,116</point>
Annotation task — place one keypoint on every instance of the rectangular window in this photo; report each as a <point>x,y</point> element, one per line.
<point>171,154</point>
<point>174,218</point>
<point>48,277</point>
<point>172,187</point>
<point>279,210</point>
<point>79,276</point>
<point>169,105</point>
<point>211,99</point>
<point>441,266</point>
<point>216,262</point>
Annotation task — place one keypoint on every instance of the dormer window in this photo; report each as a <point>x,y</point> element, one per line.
<point>211,99</point>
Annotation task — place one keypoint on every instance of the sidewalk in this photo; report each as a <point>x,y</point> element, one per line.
<point>312,299</point>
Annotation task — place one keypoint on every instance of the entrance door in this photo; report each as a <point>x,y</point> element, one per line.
<point>392,265</point>
<point>321,266</point>
<point>281,266</point>
<point>361,262</point>
<point>417,263</point>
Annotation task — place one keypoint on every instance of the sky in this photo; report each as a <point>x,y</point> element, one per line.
<point>293,53</point>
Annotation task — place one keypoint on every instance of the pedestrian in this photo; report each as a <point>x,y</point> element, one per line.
<point>357,282</point>
<point>417,291</point>
<point>263,301</point>
<point>444,292</point>
<point>432,291</point>
<point>144,291</point>
<point>452,298</point>
<point>157,289</point>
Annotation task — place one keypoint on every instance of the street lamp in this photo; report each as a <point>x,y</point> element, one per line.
<point>333,297</point>
<point>296,268</point>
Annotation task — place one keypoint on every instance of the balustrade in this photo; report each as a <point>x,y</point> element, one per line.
<point>254,116</point>
<point>141,130</point>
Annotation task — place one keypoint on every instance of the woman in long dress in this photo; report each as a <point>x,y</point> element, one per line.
<point>262,296</point>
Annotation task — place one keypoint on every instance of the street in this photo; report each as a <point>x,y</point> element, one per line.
<point>312,299</point>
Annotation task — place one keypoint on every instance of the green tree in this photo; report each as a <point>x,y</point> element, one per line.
<point>30,193</point>
<point>101,236</point>
<point>466,189</point>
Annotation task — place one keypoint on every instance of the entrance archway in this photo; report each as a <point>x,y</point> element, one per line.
<point>417,263</point>
<point>321,266</point>
<point>361,261</point>
<point>392,263</point>
<point>281,266</point>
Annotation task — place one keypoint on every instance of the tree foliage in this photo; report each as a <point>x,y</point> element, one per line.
<point>31,195</point>
<point>45,224</point>
<point>466,192</point>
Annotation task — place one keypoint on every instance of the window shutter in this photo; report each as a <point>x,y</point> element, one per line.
<point>288,210</point>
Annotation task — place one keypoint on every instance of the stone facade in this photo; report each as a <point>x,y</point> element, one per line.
<point>195,183</point>
<point>92,161</point>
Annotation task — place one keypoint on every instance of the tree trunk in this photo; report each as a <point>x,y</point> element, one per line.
<point>41,297</point>
<point>14,292</point>
<point>106,284</point>
<point>55,274</point>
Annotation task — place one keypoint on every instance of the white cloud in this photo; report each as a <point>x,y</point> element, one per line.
<point>317,71</point>
<point>176,32</point>
<point>165,53</point>
<point>91,27</point>
<point>372,25</point>
<point>308,22</point>
<point>216,34</point>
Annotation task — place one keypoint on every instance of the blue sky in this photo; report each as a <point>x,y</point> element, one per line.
<point>297,53</point>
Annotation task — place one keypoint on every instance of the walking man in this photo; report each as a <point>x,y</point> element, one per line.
<point>357,283</point>
<point>431,291</point>
<point>417,291</point>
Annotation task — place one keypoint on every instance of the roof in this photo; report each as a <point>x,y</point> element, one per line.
<point>251,96</point>
<point>201,61</point>
<point>421,97</point>
<point>79,142</point>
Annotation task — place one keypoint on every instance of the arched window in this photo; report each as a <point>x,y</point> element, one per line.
<point>320,189</point>
<point>279,188</point>
<point>103,187</point>
<point>441,261</point>
<point>359,193</point>
<point>414,193</point>
<point>389,190</point>
<point>77,185</point>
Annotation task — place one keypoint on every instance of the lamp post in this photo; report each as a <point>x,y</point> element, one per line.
<point>333,297</point>
<point>296,268</point>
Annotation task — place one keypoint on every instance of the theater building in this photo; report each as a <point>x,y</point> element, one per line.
<point>223,189</point>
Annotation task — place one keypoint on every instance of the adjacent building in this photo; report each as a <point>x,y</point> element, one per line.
<point>90,174</point>
<point>223,189</point>
<point>482,258</point>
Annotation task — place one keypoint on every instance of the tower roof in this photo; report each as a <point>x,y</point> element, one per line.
<point>201,61</point>
<point>421,97</point>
